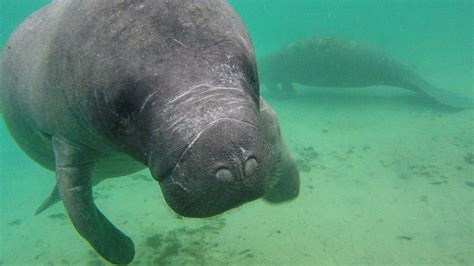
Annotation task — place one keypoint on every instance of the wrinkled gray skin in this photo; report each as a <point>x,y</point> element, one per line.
<point>97,89</point>
<point>329,62</point>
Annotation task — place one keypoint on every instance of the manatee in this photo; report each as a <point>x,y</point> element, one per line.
<point>332,62</point>
<point>99,89</point>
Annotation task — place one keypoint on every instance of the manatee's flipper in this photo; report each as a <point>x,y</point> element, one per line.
<point>273,87</point>
<point>287,186</point>
<point>73,173</point>
<point>288,89</point>
<point>52,199</point>
<point>282,91</point>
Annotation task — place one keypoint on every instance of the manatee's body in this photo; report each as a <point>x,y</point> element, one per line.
<point>329,62</point>
<point>96,89</point>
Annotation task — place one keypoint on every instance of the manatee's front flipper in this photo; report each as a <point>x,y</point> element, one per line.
<point>282,91</point>
<point>288,89</point>
<point>52,199</point>
<point>288,185</point>
<point>73,173</point>
<point>285,170</point>
<point>273,88</point>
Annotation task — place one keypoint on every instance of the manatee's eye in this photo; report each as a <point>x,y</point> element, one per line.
<point>250,166</point>
<point>224,175</point>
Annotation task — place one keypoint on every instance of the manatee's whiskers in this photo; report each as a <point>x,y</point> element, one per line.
<point>148,98</point>
<point>187,92</point>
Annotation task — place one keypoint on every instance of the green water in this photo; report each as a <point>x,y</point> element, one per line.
<point>386,178</point>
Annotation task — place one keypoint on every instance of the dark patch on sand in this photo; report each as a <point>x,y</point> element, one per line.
<point>95,263</point>
<point>154,241</point>
<point>15,222</point>
<point>469,158</point>
<point>183,246</point>
<point>469,184</point>
<point>306,156</point>
<point>438,183</point>
<point>407,238</point>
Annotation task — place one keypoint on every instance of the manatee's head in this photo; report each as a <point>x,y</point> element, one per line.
<point>225,165</point>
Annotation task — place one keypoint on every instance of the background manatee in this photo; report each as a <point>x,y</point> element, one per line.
<point>331,62</point>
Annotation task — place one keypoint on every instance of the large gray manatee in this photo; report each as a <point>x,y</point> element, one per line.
<point>331,62</point>
<point>97,89</point>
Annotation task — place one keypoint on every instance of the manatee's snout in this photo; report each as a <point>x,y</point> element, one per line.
<point>226,165</point>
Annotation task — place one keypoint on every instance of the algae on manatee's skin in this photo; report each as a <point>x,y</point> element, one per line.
<point>60,216</point>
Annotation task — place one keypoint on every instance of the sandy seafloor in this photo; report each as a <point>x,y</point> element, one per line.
<point>386,178</point>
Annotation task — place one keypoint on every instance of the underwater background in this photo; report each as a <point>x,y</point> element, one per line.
<point>386,178</point>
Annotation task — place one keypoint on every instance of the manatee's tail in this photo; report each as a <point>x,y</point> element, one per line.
<point>52,199</point>
<point>448,98</point>
<point>1,85</point>
<point>442,96</point>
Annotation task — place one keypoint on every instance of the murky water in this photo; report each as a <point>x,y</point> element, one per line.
<point>387,177</point>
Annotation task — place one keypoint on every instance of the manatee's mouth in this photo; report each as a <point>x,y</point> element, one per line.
<point>186,203</point>
<point>225,165</point>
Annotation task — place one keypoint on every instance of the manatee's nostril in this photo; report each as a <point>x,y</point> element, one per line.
<point>224,175</point>
<point>250,166</point>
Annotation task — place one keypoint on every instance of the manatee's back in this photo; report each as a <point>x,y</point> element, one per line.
<point>23,64</point>
<point>329,62</point>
